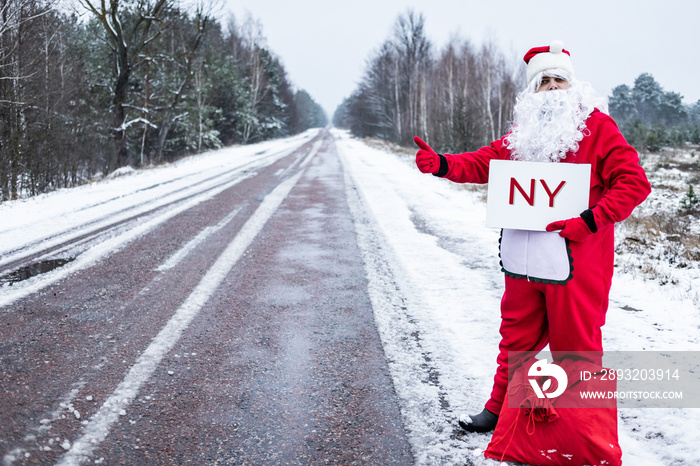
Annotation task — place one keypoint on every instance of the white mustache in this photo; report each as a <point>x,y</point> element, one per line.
<point>548,125</point>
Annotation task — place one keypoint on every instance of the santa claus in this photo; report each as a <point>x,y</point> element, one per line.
<point>557,282</point>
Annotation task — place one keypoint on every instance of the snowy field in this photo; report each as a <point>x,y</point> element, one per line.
<point>434,281</point>
<point>425,238</point>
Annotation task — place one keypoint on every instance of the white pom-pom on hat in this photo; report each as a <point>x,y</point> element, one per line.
<point>546,58</point>
<point>556,46</point>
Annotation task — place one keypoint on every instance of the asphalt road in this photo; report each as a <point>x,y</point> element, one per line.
<point>257,347</point>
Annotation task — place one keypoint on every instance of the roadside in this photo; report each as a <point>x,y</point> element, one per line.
<point>436,286</point>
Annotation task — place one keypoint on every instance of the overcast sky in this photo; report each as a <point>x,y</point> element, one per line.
<point>324,44</point>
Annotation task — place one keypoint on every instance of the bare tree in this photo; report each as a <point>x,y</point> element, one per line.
<point>18,64</point>
<point>413,49</point>
<point>254,43</point>
<point>489,64</point>
<point>186,61</point>
<point>499,87</point>
<point>128,26</point>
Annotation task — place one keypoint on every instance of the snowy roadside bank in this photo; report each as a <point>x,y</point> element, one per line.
<point>424,239</point>
<point>76,228</point>
<point>34,219</point>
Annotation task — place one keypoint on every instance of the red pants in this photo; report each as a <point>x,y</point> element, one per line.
<point>569,317</point>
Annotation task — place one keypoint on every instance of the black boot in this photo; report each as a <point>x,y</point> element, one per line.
<point>485,421</point>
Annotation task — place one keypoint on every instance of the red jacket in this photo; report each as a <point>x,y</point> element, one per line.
<point>618,182</point>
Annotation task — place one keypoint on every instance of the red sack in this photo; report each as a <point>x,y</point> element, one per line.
<point>553,431</point>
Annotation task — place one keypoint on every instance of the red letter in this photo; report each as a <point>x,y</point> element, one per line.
<point>552,195</point>
<point>514,184</point>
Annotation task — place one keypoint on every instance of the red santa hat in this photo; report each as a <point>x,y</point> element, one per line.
<point>545,58</point>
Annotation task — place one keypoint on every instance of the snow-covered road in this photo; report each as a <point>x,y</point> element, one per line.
<point>231,325</point>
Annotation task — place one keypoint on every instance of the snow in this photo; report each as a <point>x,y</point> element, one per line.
<point>433,278</point>
<point>194,242</point>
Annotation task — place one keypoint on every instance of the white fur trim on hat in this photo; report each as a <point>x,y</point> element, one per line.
<point>555,58</point>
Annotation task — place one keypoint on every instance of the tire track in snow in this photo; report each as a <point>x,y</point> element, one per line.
<point>106,247</point>
<point>194,242</point>
<point>57,243</point>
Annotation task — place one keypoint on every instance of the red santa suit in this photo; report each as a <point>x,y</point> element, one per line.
<point>556,289</point>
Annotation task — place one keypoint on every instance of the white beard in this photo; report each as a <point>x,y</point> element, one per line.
<point>549,124</point>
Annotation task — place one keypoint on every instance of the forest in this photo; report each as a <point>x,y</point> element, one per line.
<point>461,97</point>
<point>87,90</point>
<point>91,88</point>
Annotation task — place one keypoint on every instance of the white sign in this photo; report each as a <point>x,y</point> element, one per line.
<point>531,195</point>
